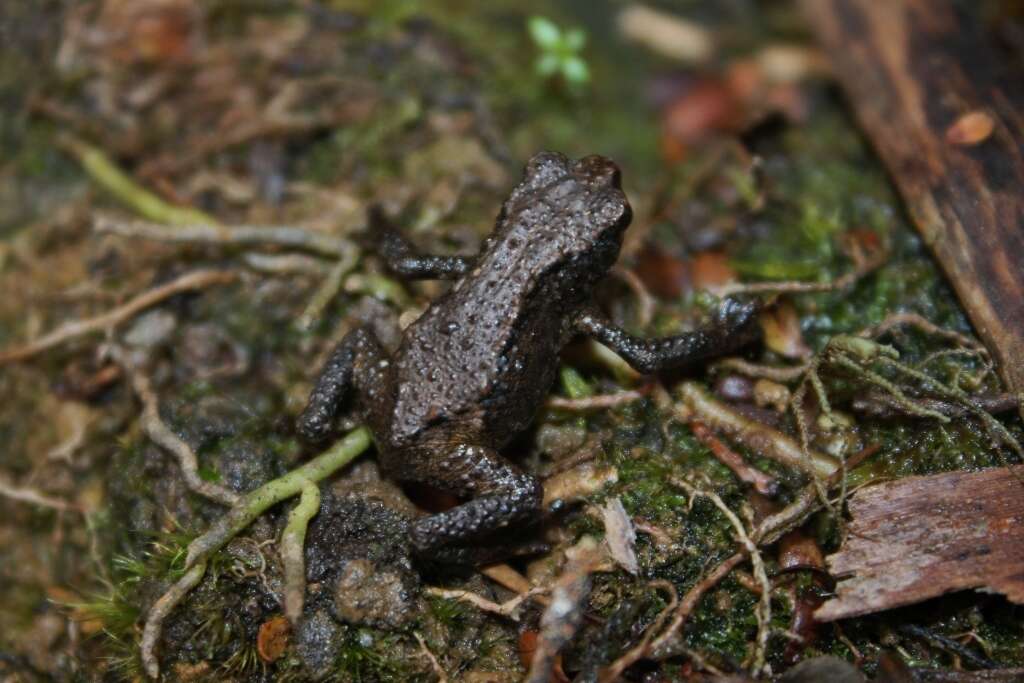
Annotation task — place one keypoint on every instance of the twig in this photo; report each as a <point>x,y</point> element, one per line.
<point>927,326</point>
<point>195,280</point>
<point>162,435</point>
<point>909,405</point>
<point>755,435</point>
<point>161,608</point>
<point>210,232</point>
<point>644,300</point>
<point>509,608</point>
<point>564,615</point>
<point>881,405</point>
<point>770,530</point>
<point>506,576</point>
<point>799,416</point>
<point>764,611</point>
<point>578,482</point>
<point>807,502</point>
<point>689,603</point>
<point>942,642</point>
<point>328,289</point>
<point>278,118</point>
<point>660,536</point>
<point>101,169</point>
<point>598,402</point>
<point>442,677</point>
<point>862,268</point>
<point>283,264</point>
<point>293,540</point>
<point>959,396</point>
<point>776,374</point>
<point>764,484</point>
<point>27,495</point>
<point>613,671</point>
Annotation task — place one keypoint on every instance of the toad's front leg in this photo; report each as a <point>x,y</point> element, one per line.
<point>403,259</point>
<point>734,326</point>
<point>500,494</point>
<point>356,362</point>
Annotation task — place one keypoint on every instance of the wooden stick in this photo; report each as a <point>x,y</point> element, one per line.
<point>912,70</point>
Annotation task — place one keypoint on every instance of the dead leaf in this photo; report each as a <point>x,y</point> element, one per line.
<point>798,550</point>
<point>782,333</point>
<point>620,535</point>
<point>970,129</point>
<point>151,31</point>
<point>528,645</point>
<point>708,107</point>
<point>273,638</point>
<point>664,275</point>
<point>711,270</point>
<point>667,34</point>
<point>769,394</point>
<point>578,482</point>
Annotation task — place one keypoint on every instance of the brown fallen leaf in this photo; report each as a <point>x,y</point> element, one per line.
<point>706,108</point>
<point>564,615</point>
<point>664,275</point>
<point>528,645</point>
<point>711,270</point>
<point>151,31</point>
<point>782,333</point>
<point>272,640</point>
<point>970,129</point>
<point>798,550</point>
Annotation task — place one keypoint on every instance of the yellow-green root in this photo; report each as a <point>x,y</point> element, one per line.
<point>118,183</point>
<point>293,540</point>
<point>255,503</point>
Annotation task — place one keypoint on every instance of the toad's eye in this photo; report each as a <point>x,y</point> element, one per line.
<point>543,168</point>
<point>600,171</point>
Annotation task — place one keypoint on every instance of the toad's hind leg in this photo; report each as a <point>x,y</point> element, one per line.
<point>356,360</point>
<point>501,494</point>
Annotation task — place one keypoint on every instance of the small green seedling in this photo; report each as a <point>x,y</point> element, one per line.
<point>559,52</point>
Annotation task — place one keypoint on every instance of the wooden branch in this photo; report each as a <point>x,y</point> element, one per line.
<point>912,69</point>
<point>919,537</point>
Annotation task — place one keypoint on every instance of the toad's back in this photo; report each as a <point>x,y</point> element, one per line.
<point>481,359</point>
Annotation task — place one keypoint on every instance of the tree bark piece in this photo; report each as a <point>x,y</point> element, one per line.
<point>919,537</point>
<point>912,69</point>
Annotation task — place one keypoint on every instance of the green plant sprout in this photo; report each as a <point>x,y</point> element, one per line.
<point>559,52</point>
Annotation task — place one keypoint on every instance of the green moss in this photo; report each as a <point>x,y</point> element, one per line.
<point>368,655</point>
<point>450,614</point>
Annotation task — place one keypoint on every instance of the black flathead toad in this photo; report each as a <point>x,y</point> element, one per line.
<point>474,369</point>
